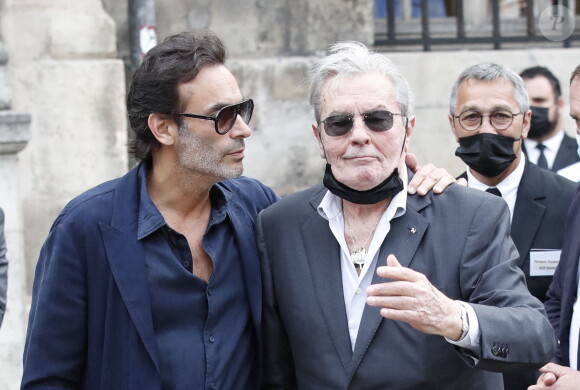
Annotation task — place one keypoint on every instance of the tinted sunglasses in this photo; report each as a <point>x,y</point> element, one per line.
<point>378,121</point>
<point>226,117</point>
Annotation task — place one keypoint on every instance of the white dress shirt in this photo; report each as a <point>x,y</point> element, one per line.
<point>551,148</point>
<point>354,286</point>
<point>508,186</point>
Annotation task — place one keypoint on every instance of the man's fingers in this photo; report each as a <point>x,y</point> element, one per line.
<point>555,369</point>
<point>421,175</point>
<point>391,289</point>
<point>392,261</point>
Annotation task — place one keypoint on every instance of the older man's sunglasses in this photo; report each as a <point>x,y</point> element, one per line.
<point>378,121</point>
<point>226,117</point>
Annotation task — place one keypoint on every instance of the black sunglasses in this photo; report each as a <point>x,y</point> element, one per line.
<point>378,121</point>
<point>226,117</point>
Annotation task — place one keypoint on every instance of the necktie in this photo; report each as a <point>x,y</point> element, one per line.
<point>542,162</point>
<point>494,190</point>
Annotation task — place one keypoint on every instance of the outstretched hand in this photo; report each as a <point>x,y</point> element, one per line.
<point>411,298</point>
<point>428,177</point>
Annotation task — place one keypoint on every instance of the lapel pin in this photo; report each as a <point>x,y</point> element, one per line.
<point>412,230</point>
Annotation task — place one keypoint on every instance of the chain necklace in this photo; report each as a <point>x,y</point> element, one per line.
<point>359,255</point>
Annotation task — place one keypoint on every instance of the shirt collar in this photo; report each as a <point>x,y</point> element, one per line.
<point>509,184</point>
<point>150,219</point>
<point>552,143</point>
<point>331,205</point>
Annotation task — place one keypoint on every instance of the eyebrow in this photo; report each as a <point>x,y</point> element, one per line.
<point>219,105</point>
<point>494,108</point>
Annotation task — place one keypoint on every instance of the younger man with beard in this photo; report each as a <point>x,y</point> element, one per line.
<point>547,144</point>
<point>490,116</point>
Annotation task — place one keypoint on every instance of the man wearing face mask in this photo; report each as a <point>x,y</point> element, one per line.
<point>366,287</point>
<point>490,116</point>
<point>547,144</point>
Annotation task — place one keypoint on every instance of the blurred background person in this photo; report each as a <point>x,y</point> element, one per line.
<point>547,144</point>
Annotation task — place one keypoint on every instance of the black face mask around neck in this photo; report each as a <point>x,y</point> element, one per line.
<point>390,187</point>
<point>486,153</point>
<point>540,124</point>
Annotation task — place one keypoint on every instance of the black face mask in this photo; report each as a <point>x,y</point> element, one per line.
<point>486,153</point>
<point>390,187</point>
<point>541,124</point>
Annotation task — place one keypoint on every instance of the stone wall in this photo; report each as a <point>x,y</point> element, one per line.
<point>68,77</point>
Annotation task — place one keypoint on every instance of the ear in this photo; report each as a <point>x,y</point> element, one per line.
<point>163,128</point>
<point>527,121</point>
<point>452,125</point>
<point>316,133</point>
<point>560,102</point>
<point>409,131</point>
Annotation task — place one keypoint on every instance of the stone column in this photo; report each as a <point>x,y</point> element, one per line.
<point>65,73</point>
<point>14,135</point>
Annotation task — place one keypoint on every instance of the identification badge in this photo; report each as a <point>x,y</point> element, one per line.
<point>543,262</point>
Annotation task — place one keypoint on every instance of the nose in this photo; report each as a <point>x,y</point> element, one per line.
<point>240,129</point>
<point>359,132</point>
<point>486,126</point>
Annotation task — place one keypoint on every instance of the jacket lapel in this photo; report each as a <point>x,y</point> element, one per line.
<point>403,239</point>
<point>127,259</point>
<point>528,211</point>
<point>567,153</point>
<point>323,256</point>
<point>244,236</point>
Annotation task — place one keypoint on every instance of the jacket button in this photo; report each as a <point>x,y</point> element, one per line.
<point>495,350</point>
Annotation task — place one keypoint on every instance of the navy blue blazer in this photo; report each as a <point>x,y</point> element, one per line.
<point>90,324</point>
<point>562,292</point>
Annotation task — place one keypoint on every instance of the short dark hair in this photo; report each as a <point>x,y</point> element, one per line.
<point>178,59</point>
<point>575,73</point>
<point>536,71</point>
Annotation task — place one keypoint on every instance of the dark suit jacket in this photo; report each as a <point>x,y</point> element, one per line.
<point>3,268</point>
<point>567,153</point>
<point>90,323</point>
<point>541,206</point>
<point>460,241</point>
<point>562,292</point>
<point>542,202</point>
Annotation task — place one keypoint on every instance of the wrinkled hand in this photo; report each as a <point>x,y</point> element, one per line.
<point>428,177</point>
<point>413,299</point>
<point>557,377</point>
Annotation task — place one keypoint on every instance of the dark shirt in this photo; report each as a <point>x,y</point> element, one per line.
<point>204,332</point>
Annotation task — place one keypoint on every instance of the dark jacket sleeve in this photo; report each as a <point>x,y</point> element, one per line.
<point>515,331</point>
<point>56,341</point>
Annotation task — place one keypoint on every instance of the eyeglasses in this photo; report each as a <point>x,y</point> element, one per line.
<point>378,121</point>
<point>500,120</point>
<point>226,117</point>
